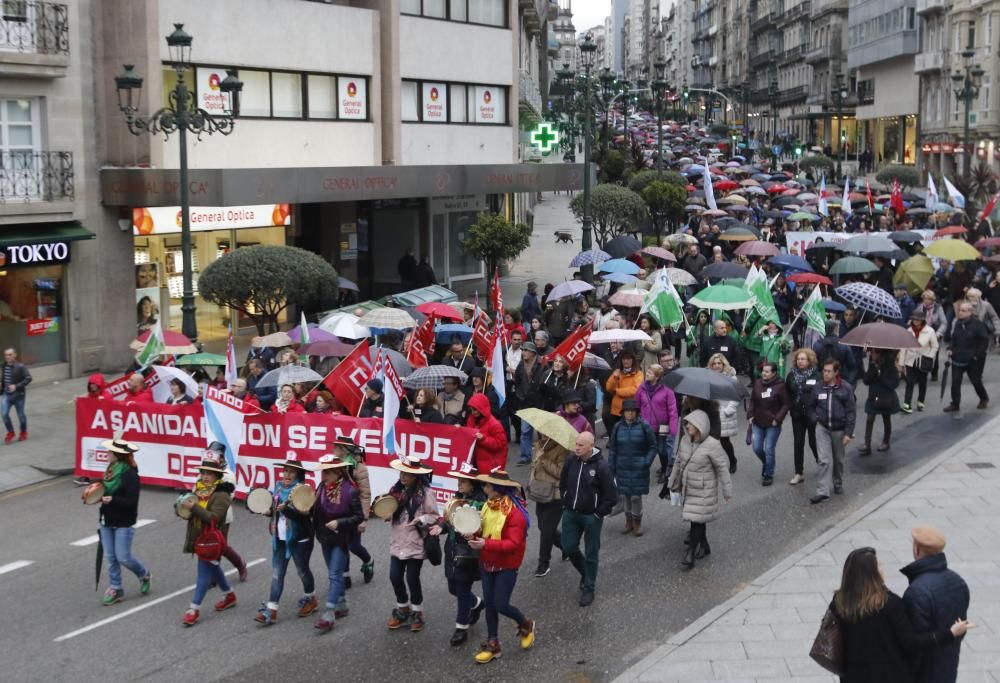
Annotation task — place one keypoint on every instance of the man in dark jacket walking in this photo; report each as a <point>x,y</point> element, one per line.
<point>529,304</point>
<point>830,348</point>
<point>589,492</point>
<point>970,342</point>
<point>527,380</point>
<point>937,596</point>
<point>833,415</point>
<point>16,378</point>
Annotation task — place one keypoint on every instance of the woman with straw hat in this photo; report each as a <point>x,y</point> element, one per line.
<point>291,539</point>
<point>501,545</point>
<point>336,516</point>
<point>345,448</point>
<point>119,510</point>
<point>416,508</point>
<point>461,569</point>
<point>209,504</point>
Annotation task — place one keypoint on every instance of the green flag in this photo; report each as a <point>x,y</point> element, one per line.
<point>663,303</point>
<point>815,312</point>
<point>760,288</point>
<point>154,347</point>
<point>303,330</point>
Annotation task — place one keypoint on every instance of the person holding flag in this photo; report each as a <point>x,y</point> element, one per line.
<point>845,202</point>
<point>491,439</point>
<point>232,371</point>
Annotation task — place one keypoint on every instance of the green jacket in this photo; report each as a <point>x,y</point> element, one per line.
<point>218,506</point>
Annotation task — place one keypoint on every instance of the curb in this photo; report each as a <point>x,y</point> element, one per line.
<point>634,672</point>
<point>56,471</point>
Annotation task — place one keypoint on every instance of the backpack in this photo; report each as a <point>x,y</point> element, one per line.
<point>210,544</point>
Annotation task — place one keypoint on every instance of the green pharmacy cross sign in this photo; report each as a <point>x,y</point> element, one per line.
<point>544,138</point>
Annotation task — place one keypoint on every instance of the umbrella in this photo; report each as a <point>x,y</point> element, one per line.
<point>809,279</point>
<point>988,242</point>
<point>679,278</point>
<point>589,258</point>
<point>166,373</point>
<point>445,333</point>
<point>315,334</point>
<point>952,250</point>
<point>739,233</point>
<point>915,272</point>
<point>595,362</point>
<point>849,265</point>
<point>174,343</point>
<point>433,376</point>
<point>723,270</point>
<point>620,278</point>
<point>660,253</point>
<point>866,244</point>
<point>274,340</point>
<point>870,298</point>
<point>950,230</point>
<point>629,298</point>
<point>791,262</point>
<point>570,288</point>
<point>802,216</point>
<point>620,335</point>
<point>681,238</point>
<point>715,212</point>
<point>344,325</point>
<point>819,247</point>
<point>905,236</point>
<point>201,359</point>
<point>694,207</point>
<point>388,318</point>
<point>757,248</point>
<point>832,306</point>
<point>398,360</point>
<point>327,347</point>
<point>918,212</point>
<point>944,378</point>
<point>550,425</point>
<point>880,336</point>
<point>704,383</point>
<point>440,310</point>
<point>622,246</point>
<point>619,265</point>
<point>100,561</point>
<point>344,283</point>
<point>722,297</point>
<point>289,374</point>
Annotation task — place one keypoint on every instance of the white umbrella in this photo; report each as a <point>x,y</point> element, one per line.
<point>621,335</point>
<point>571,288</point>
<point>344,283</point>
<point>289,374</point>
<point>344,325</point>
<point>388,318</point>
<point>165,373</point>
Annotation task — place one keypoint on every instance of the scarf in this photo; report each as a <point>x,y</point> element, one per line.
<point>916,330</point>
<point>494,516</point>
<point>334,500</point>
<point>282,405</point>
<point>799,377</point>
<point>113,477</point>
<point>280,495</point>
<point>204,491</point>
<point>411,499</point>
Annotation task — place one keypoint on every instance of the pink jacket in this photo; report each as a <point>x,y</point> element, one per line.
<point>404,539</point>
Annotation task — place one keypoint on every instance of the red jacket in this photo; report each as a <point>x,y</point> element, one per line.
<point>293,407</point>
<point>144,396</point>
<point>507,552</point>
<point>97,379</point>
<point>491,450</point>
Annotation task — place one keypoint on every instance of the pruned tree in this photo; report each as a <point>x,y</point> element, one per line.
<point>613,209</point>
<point>639,181</point>
<point>816,164</point>
<point>493,240</point>
<point>263,280</point>
<point>906,175</point>
<point>664,202</point>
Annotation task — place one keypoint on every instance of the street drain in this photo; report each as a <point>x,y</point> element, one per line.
<point>980,465</point>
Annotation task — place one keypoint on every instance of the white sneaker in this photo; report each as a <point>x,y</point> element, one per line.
<point>797,479</point>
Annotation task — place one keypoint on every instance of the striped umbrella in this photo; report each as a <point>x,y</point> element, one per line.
<point>589,258</point>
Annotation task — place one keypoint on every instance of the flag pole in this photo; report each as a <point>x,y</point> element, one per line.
<point>577,380</point>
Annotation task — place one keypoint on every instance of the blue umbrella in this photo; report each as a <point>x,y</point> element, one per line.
<point>445,333</point>
<point>694,169</point>
<point>792,262</point>
<point>619,265</point>
<point>832,306</point>
<point>589,257</point>
<point>620,278</point>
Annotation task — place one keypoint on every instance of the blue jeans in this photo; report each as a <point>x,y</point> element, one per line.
<point>17,401</point>
<point>462,590</point>
<point>336,562</point>
<point>527,433</point>
<point>301,552</point>
<point>357,548</point>
<point>497,589</point>
<point>209,573</point>
<point>117,543</point>
<point>765,439</point>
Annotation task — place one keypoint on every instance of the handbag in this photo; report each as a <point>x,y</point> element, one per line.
<point>432,546</point>
<point>541,491</point>
<point>210,544</point>
<point>828,648</point>
<point>926,364</point>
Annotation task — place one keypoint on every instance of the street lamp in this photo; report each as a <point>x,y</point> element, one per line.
<point>607,79</point>
<point>839,95</point>
<point>181,116</point>
<point>967,89</point>
<point>587,50</point>
<point>773,91</point>
<point>659,88</point>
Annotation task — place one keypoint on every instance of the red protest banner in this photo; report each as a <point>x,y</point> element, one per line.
<point>420,344</point>
<point>574,347</point>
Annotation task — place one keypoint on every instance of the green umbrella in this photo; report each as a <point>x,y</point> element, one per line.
<point>915,272</point>
<point>850,265</point>
<point>802,216</point>
<point>722,298</point>
<point>201,359</point>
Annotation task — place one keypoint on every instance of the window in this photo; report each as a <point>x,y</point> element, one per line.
<point>487,12</point>
<point>459,104</point>
<point>286,95</point>
<point>322,97</point>
<point>441,102</point>
<point>19,131</point>
<point>409,100</point>
<point>255,98</point>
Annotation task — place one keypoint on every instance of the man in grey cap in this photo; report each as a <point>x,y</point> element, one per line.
<point>527,378</point>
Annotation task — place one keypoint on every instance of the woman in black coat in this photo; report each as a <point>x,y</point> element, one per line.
<point>880,645</point>
<point>881,378</point>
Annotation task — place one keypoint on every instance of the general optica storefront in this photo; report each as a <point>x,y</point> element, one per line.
<point>34,259</point>
<point>215,231</point>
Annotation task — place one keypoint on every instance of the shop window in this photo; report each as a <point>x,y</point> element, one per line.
<point>286,95</point>
<point>322,96</point>
<point>255,98</point>
<point>408,93</point>
<point>485,104</point>
<point>459,105</point>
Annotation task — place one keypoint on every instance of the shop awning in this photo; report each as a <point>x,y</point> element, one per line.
<point>43,233</point>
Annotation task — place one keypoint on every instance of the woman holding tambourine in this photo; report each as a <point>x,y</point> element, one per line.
<point>461,563</point>
<point>501,544</point>
<point>291,539</point>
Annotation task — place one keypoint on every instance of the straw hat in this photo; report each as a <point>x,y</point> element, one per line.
<point>120,445</point>
<point>292,460</point>
<point>330,462</point>
<point>499,478</point>
<point>404,464</point>
<point>466,471</point>
<point>211,466</point>
<point>346,442</point>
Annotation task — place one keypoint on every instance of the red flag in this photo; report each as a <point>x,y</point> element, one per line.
<point>482,336</point>
<point>871,202</point>
<point>420,343</point>
<point>574,347</point>
<point>496,294</point>
<point>988,209</point>
<point>896,199</point>
<point>347,380</point>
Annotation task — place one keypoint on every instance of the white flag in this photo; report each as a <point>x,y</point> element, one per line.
<point>709,190</point>
<point>824,208</point>
<point>932,193</point>
<point>845,205</point>
<point>957,198</point>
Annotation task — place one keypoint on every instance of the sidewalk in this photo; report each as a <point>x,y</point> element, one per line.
<point>764,633</point>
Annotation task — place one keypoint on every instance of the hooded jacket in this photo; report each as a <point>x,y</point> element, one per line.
<point>491,450</point>
<point>658,406</point>
<point>937,596</point>
<point>577,421</point>
<point>700,470</point>
<point>218,506</point>
<point>97,379</point>
<point>588,486</point>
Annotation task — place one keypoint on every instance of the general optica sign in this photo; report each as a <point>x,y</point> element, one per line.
<point>210,96</point>
<point>435,98</point>
<point>160,220</point>
<point>352,100</point>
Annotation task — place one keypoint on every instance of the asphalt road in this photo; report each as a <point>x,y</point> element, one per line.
<point>56,627</point>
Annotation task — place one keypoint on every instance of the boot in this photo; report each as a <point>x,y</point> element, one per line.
<point>628,525</point>
<point>865,450</point>
<point>688,561</point>
<point>637,525</point>
<point>400,617</point>
<point>703,549</point>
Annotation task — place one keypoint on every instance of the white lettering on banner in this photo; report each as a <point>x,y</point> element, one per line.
<point>149,423</point>
<point>37,253</point>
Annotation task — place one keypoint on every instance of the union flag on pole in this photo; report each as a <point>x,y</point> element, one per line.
<point>988,209</point>
<point>574,347</point>
<point>482,336</point>
<point>896,198</point>
<point>496,294</point>
<point>346,381</point>
<point>420,343</point>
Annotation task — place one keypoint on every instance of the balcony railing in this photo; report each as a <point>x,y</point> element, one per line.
<point>797,92</point>
<point>35,176</point>
<point>762,57</point>
<point>825,53</point>
<point>932,6</point>
<point>792,54</point>
<point>929,61</point>
<point>795,12</point>
<point>821,7</point>
<point>761,21</point>
<point>38,27</point>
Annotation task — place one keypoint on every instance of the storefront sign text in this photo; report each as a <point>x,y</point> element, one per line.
<point>353,98</point>
<point>35,328</point>
<point>34,254</point>
<point>160,220</point>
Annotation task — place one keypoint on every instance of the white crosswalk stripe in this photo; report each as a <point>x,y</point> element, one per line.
<point>91,540</point>
<point>13,566</point>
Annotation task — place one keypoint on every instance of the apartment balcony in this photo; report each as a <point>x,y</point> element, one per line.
<point>761,21</point>
<point>530,92</point>
<point>932,6</point>
<point>824,54</point>
<point>792,55</point>
<point>34,39</point>
<point>821,7</point>
<point>793,94</point>
<point>795,12</point>
<point>35,183</point>
<point>929,61</point>
<point>761,58</point>
<point>552,10</point>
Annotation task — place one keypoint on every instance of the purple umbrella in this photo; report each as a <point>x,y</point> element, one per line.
<point>315,334</point>
<point>326,347</point>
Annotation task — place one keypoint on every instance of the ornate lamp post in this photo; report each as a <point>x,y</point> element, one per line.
<point>967,89</point>
<point>587,49</point>
<point>839,95</point>
<point>181,116</point>
<point>608,81</point>
<point>659,90</point>
<point>773,92</point>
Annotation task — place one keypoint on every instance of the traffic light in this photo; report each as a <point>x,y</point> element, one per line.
<point>798,151</point>
<point>685,94</point>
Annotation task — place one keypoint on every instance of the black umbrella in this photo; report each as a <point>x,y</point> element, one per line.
<point>944,377</point>
<point>623,246</point>
<point>100,560</point>
<point>905,236</point>
<point>723,270</point>
<point>704,383</point>
<point>777,215</point>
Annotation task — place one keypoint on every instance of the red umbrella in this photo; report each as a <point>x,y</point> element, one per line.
<point>691,188</point>
<point>175,343</point>
<point>660,253</point>
<point>440,310</point>
<point>777,188</point>
<point>726,185</point>
<point>988,242</point>
<point>790,192</point>
<point>950,230</point>
<point>809,279</point>
<point>757,248</point>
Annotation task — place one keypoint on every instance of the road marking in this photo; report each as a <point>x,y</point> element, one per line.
<point>139,608</point>
<point>91,540</point>
<point>31,488</point>
<point>14,566</point>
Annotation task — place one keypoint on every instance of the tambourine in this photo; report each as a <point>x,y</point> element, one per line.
<point>259,501</point>
<point>183,512</point>
<point>453,505</point>
<point>466,520</point>
<point>384,507</point>
<point>93,493</point>
<point>302,498</point>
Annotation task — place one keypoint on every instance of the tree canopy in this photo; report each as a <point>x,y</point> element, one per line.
<point>665,202</point>
<point>493,240</point>
<point>640,180</point>
<point>816,164</point>
<point>261,281</point>
<point>906,175</point>
<point>614,210</point>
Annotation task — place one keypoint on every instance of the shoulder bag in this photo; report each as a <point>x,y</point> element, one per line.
<point>828,648</point>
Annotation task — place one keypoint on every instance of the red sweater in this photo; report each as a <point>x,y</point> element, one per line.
<point>506,552</point>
